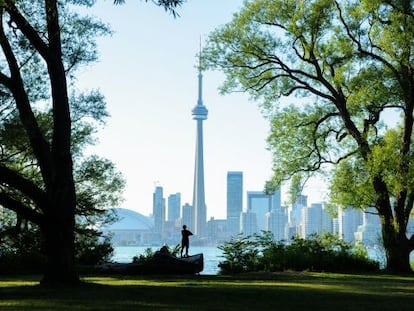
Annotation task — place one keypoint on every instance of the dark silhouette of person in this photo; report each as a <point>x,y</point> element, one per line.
<point>185,241</point>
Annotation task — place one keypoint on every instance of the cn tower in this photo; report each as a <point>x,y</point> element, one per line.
<point>199,113</point>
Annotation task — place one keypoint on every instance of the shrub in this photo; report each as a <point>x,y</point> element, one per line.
<point>241,255</point>
<point>21,250</point>
<point>149,253</point>
<point>324,252</point>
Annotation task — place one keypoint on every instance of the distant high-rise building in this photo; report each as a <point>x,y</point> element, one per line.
<point>158,211</point>
<point>315,219</point>
<point>199,113</point>
<point>276,199</point>
<point>349,221</point>
<point>369,233</point>
<point>295,215</point>
<point>174,205</point>
<point>327,220</point>
<point>234,201</point>
<point>217,231</point>
<point>295,211</point>
<point>259,204</point>
<point>312,220</point>
<point>370,217</point>
<point>277,223</point>
<point>187,216</point>
<point>248,223</point>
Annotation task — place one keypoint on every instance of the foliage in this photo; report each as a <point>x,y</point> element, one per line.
<point>21,249</point>
<point>146,256</point>
<point>93,250</point>
<point>316,253</point>
<point>169,5</point>
<point>46,123</point>
<point>240,254</point>
<point>335,80</point>
<point>149,253</point>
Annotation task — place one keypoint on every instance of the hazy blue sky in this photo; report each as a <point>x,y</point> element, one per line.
<point>148,76</point>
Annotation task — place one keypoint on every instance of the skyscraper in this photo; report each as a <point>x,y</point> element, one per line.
<point>277,223</point>
<point>259,204</point>
<point>349,220</point>
<point>199,113</point>
<point>158,211</point>
<point>234,201</point>
<point>315,219</point>
<point>187,215</point>
<point>248,223</point>
<point>174,205</point>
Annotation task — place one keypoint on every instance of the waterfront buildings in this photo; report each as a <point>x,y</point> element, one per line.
<point>188,216</point>
<point>295,215</point>
<point>158,212</point>
<point>259,204</point>
<point>369,232</point>
<point>277,223</point>
<point>315,219</point>
<point>174,206</point>
<point>248,223</point>
<point>349,220</point>
<point>264,212</point>
<point>234,201</point>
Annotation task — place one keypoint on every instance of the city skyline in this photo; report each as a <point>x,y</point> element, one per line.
<point>264,214</point>
<point>147,73</point>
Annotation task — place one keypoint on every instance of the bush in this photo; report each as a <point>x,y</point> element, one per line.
<point>21,250</point>
<point>149,253</point>
<point>240,255</point>
<point>94,249</point>
<point>317,253</point>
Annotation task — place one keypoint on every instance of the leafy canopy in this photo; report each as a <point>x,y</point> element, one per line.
<point>327,74</point>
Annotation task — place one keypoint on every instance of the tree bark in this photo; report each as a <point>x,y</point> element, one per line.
<point>397,251</point>
<point>59,249</point>
<point>58,232</point>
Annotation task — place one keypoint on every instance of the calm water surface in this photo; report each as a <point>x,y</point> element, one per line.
<point>212,255</point>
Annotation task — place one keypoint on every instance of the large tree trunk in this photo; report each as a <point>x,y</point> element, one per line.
<point>60,215</point>
<point>58,231</point>
<point>59,250</point>
<point>397,250</point>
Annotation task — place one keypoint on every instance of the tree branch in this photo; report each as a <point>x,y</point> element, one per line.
<point>15,84</point>
<point>25,186</point>
<point>21,209</point>
<point>24,26</point>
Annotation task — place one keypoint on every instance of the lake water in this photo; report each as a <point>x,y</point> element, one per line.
<point>212,255</point>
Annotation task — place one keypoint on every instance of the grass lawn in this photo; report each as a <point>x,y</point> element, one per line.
<point>277,291</point>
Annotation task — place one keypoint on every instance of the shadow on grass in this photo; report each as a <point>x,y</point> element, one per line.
<point>274,292</point>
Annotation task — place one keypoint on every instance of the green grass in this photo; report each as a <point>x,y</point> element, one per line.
<point>278,291</point>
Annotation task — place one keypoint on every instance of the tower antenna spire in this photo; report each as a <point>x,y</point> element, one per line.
<point>199,58</point>
<point>200,79</point>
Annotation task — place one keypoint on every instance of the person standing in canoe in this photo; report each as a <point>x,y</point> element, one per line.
<point>185,241</point>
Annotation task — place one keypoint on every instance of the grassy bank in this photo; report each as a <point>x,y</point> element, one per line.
<point>279,291</point>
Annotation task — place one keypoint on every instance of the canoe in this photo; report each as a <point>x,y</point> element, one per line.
<point>159,264</point>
